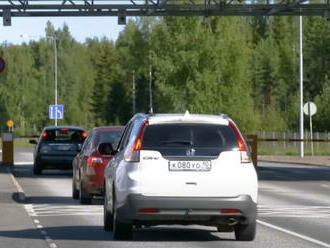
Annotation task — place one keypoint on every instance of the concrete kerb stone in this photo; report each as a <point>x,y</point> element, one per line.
<point>307,160</point>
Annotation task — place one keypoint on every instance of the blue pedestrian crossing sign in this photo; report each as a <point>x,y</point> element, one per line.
<point>56,112</point>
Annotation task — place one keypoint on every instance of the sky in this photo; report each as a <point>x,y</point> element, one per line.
<point>23,29</point>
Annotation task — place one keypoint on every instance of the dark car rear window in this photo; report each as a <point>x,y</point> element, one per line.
<point>176,139</point>
<point>64,135</point>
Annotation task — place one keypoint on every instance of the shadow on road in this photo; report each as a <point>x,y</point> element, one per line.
<point>49,200</point>
<point>96,233</point>
<point>292,173</point>
<point>26,171</point>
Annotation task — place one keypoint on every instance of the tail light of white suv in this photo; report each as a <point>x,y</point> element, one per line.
<point>132,153</point>
<point>242,146</point>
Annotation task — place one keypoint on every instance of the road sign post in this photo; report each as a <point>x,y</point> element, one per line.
<point>310,109</point>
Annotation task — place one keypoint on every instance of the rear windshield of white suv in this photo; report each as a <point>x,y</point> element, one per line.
<point>189,139</point>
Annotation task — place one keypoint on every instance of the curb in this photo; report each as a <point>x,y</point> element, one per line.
<point>293,162</point>
<point>20,191</point>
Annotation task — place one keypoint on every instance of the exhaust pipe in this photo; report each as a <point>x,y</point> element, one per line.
<point>232,221</point>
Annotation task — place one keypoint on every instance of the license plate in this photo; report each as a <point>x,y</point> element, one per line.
<point>64,148</point>
<point>189,165</point>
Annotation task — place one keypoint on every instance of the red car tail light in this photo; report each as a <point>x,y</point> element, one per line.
<point>133,152</point>
<point>245,155</point>
<point>94,161</point>
<point>64,129</point>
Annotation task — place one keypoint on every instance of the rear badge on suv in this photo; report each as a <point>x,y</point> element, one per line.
<point>190,152</point>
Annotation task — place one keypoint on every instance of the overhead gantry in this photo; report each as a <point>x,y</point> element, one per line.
<point>123,8</point>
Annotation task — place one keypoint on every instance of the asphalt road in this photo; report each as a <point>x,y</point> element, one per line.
<point>294,211</point>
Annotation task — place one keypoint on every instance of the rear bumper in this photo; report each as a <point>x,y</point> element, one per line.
<point>54,162</point>
<point>187,210</point>
<point>93,187</point>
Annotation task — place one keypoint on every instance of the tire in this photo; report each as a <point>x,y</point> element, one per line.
<point>245,232</point>
<point>107,216</point>
<point>75,191</point>
<point>83,196</point>
<point>121,231</point>
<point>36,170</point>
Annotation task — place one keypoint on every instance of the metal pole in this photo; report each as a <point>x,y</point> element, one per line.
<point>55,75</point>
<point>150,82</point>
<point>150,72</point>
<point>133,92</point>
<point>301,114</point>
<point>311,127</point>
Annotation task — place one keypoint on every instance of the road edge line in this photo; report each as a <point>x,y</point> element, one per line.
<point>20,191</point>
<point>309,239</point>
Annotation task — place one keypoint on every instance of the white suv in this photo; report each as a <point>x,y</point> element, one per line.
<point>181,169</point>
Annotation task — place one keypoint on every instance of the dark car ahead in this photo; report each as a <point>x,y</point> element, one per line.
<point>57,146</point>
<point>88,165</point>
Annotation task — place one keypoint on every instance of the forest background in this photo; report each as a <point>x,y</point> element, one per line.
<point>245,67</point>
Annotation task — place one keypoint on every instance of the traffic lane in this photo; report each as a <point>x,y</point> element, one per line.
<point>296,183</point>
<point>23,155</point>
<point>15,224</point>
<point>294,198</point>
<point>70,224</point>
<point>86,230</point>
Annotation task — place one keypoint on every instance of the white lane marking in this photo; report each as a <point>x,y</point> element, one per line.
<point>29,209</point>
<point>325,185</point>
<point>23,163</point>
<point>48,239</point>
<point>294,211</point>
<point>309,239</point>
<point>63,210</point>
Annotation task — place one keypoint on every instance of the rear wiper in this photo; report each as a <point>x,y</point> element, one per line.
<point>181,142</point>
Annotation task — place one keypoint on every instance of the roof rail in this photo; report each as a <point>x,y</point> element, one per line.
<point>224,116</point>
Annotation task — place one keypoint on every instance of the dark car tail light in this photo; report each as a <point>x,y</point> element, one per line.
<point>245,155</point>
<point>44,135</point>
<point>84,135</point>
<point>133,152</point>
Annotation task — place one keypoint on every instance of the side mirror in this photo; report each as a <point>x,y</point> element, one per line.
<point>33,141</point>
<point>105,149</point>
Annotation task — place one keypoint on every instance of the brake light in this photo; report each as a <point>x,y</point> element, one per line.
<point>240,142</point>
<point>64,129</point>
<point>43,134</point>
<point>84,135</point>
<point>133,152</point>
<point>149,210</point>
<point>94,161</point>
<point>245,155</point>
<point>229,211</point>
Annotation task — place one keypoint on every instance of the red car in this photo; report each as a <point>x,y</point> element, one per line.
<point>88,165</point>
